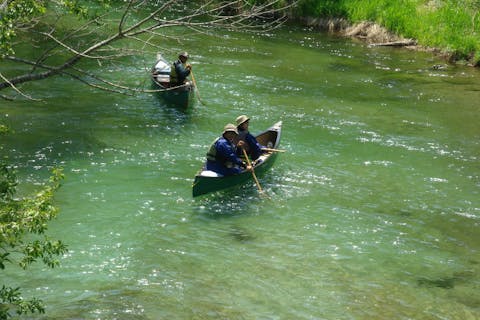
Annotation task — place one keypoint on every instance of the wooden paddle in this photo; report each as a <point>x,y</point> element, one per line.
<point>196,88</point>
<point>273,150</point>
<point>253,171</point>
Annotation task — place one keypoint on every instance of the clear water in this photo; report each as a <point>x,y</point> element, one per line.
<point>374,211</point>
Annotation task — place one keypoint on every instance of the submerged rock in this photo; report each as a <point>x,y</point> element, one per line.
<point>445,283</point>
<point>241,234</point>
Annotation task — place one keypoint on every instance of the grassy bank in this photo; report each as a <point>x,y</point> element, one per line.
<point>452,26</point>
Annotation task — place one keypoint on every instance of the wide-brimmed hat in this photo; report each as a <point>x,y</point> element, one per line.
<point>241,119</point>
<point>183,54</point>
<point>230,128</point>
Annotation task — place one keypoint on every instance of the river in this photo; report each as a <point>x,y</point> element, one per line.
<point>373,211</point>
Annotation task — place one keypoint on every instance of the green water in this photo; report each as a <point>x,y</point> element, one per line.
<point>374,210</point>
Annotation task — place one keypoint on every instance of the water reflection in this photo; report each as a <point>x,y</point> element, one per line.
<point>235,201</point>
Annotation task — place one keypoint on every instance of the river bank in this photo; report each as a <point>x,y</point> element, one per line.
<point>375,35</point>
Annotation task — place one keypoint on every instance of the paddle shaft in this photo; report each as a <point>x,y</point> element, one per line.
<point>273,150</point>
<point>196,88</point>
<point>253,172</point>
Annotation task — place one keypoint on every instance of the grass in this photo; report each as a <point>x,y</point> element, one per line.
<point>452,26</point>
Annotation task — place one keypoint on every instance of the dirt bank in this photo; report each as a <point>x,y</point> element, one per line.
<point>374,35</point>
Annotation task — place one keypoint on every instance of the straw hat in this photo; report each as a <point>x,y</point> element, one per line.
<point>230,128</point>
<point>241,119</point>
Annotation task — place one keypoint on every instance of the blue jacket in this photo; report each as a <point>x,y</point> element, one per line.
<point>222,158</point>
<point>255,147</point>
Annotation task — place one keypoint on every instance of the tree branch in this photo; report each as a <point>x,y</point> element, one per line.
<point>76,45</point>
<point>16,89</point>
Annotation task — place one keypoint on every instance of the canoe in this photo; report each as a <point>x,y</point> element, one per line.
<point>207,181</point>
<point>179,96</point>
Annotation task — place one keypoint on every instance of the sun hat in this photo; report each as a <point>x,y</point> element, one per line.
<point>230,128</point>
<point>241,119</point>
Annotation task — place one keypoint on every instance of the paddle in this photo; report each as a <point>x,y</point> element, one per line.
<point>273,150</point>
<point>196,88</point>
<point>253,172</point>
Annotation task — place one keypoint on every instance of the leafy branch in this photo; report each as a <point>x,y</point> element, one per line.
<point>20,221</point>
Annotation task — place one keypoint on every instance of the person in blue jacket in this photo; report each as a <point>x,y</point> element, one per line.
<point>246,140</point>
<point>180,70</point>
<point>222,157</point>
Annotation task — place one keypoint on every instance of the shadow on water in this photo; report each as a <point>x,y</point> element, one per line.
<point>227,205</point>
<point>444,283</point>
<point>91,134</point>
<point>447,282</point>
<point>172,113</point>
<point>235,201</point>
<point>107,300</point>
<point>241,234</point>
<point>241,199</point>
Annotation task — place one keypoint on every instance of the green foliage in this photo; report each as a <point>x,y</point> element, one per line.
<point>276,4</point>
<point>476,58</point>
<point>453,25</point>
<point>85,9</point>
<point>15,14</point>
<point>7,184</point>
<point>12,296</point>
<point>400,17</point>
<point>18,15</point>
<point>326,8</point>
<point>23,223</point>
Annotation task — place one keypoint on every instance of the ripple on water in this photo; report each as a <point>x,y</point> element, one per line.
<point>373,211</point>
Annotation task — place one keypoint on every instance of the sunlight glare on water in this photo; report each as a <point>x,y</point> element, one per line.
<point>373,211</point>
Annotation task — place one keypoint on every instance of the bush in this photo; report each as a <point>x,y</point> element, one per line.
<point>23,223</point>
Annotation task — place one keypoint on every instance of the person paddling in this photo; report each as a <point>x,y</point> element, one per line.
<point>246,140</point>
<point>222,157</point>
<point>180,70</point>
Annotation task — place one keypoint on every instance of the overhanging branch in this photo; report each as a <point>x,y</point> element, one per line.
<point>76,45</point>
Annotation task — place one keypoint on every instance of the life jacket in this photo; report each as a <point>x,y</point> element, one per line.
<point>173,73</point>
<point>212,152</point>
<point>174,80</point>
<point>213,156</point>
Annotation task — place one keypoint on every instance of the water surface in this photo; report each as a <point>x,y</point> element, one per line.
<point>374,209</point>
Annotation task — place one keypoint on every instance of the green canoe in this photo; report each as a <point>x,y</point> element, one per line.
<point>179,96</point>
<point>208,181</point>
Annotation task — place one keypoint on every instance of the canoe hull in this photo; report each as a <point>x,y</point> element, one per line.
<point>204,184</point>
<point>180,96</point>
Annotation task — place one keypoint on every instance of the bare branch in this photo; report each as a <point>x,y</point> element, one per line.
<point>77,45</point>
<point>16,89</point>
<point>69,48</point>
<point>103,88</point>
